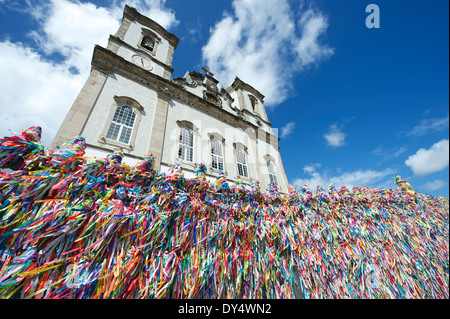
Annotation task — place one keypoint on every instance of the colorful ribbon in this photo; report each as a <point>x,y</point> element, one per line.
<point>79,227</point>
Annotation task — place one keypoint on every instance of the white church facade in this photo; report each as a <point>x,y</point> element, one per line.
<point>130,101</point>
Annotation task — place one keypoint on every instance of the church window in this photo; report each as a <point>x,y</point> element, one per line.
<point>253,102</point>
<point>241,163</point>
<point>148,43</point>
<point>272,176</point>
<point>267,138</point>
<point>216,154</point>
<point>186,145</point>
<point>121,124</point>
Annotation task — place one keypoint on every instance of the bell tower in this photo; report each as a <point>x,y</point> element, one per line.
<point>123,103</point>
<point>145,43</point>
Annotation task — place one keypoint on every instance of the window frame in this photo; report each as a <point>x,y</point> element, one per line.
<point>120,101</point>
<point>217,159</point>
<point>121,126</point>
<point>272,175</point>
<point>153,42</point>
<point>219,138</point>
<point>254,104</point>
<point>193,129</point>
<point>149,34</point>
<point>187,145</point>
<point>244,149</point>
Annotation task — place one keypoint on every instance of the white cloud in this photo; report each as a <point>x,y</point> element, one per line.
<point>387,154</point>
<point>360,178</point>
<point>154,9</point>
<point>427,126</point>
<point>311,168</point>
<point>287,129</point>
<point>34,92</point>
<point>73,29</point>
<point>398,152</point>
<point>313,181</point>
<point>263,45</point>
<point>194,29</point>
<point>335,137</point>
<point>427,161</point>
<point>434,185</point>
<point>39,91</point>
<point>313,25</point>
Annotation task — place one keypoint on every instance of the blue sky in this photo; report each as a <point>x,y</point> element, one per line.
<point>353,105</point>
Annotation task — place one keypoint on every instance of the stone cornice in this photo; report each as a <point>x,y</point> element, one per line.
<point>108,62</point>
<point>133,15</point>
<point>257,116</point>
<point>238,83</point>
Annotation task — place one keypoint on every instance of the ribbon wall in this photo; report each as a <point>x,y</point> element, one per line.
<point>79,227</point>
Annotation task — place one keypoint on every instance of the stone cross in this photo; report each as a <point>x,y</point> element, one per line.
<point>207,71</point>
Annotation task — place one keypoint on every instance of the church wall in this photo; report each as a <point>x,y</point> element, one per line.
<point>242,102</point>
<point>95,152</point>
<point>198,90</point>
<point>254,120</point>
<point>117,85</point>
<point>202,152</point>
<point>227,108</point>
<point>134,35</point>
<point>234,96</point>
<point>211,177</point>
<point>235,104</point>
<point>270,151</point>
<point>247,104</point>
<point>127,54</point>
<point>257,114</point>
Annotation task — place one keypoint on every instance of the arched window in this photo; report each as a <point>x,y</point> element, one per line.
<point>121,124</point>
<point>272,176</point>
<point>186,145</point>
<point>148,43</point>
<point>241,163</point>
<point>216,154</point>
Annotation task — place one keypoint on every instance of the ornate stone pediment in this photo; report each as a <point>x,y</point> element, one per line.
<point>190,79</point>
<point>212,97</point>
<point>210,83</point>
<point>210,92</point>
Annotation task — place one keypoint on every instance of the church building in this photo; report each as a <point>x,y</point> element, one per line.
<point>130,101</point>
